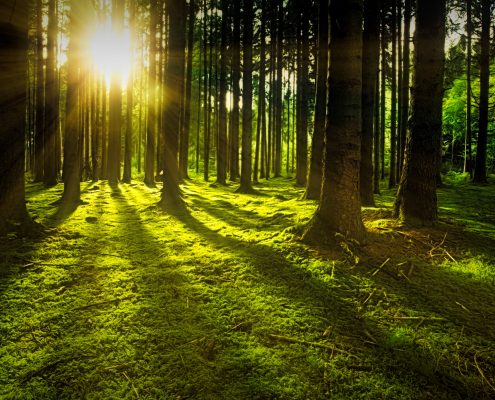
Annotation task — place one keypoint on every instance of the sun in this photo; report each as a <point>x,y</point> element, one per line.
<point>111,52</point>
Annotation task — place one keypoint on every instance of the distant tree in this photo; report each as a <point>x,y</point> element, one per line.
<point>13,102</point>
<point>480,168</point>
<point>174,83</point>
<point>371,56</point>
<point>247,98</point>
<point>127,176</point>
<point>315,176</point>
<point>416,201</point>
<point>340,205</point>
<point>236,92</point>
<point>52,116</point>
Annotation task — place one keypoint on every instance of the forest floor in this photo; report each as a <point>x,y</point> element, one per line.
<point>123,300</point>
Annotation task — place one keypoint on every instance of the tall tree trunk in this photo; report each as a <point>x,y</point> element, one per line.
<point>72,165</point>
<point>302,93</point>
<point>115,108</point>
<point>247,97</point>
<point>127,176</point>
<point>313,189</point>
<point>236,93</point>
<point>376,138</point>
<point>222,112</point>
<point>52,117</point>
<point>13,102</point>
<point>149,155</point>
<point>480,168</point>
<point>383,91</point>
<point>40,96</point>
<point>405,84</point>
<point>468,135</point>
<point>416,201</point>
<point>392,178</point>
<point>104,129</point>
<point>340,205</point>
<point>260,159</point>
<point>277,170</point>
<point>174,84</point>
<point>184,142</point>
<point>371,56</point>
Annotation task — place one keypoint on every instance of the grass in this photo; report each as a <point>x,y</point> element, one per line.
<point>120,300</point>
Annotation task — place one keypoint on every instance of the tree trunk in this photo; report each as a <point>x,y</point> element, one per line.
<point>236,93</point>
<point>376,138</point>
<point>40,97</point>
<point>52,117</point>
<point>247,98</point>
<point>149,155</point>
<point>277,170</point>
<point>392,177</point>
<point>405,84</point>
<point>127,176</point>
<point>222,112</point>
<point>260,159</point>
<point>416,201</point>
<point>13,102</point>
<point>383,91</point>
<point>115,107</point>
<point>480,168</point>
<point>184,143</point>
<point>468,136</point>
<point>340,206</point>
<point>174,84</point>
<point>313,189</point>
<point>371,55</point>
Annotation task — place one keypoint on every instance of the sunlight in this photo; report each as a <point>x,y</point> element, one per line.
<point>111,52</point>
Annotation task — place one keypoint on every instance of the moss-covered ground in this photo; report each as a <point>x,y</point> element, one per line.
<point>121,300</point>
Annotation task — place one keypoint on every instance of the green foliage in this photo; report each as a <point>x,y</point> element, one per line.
<point>123,300</point>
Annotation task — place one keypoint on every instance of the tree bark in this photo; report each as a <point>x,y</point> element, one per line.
<point>236,93</point>
<point>392,177</point>
<point>127,176</point>
<point>340,206</point>
<point>40,97</point>
<point>405,84</point>
<point>371,52</point>
<point>416,201</point>
<point>13,102</point>
<point>222,112</point>
<point>313,188</point>
<point>468,136</point>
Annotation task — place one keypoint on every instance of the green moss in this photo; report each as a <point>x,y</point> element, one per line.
<point>124,300</point>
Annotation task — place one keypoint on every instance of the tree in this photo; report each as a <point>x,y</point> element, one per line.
<point>392,181</point>
<point>480,168</point>
<point>340,205</point>
<point>13,101</point>
<point>115,107</point>
<point>52,116</point>
<point>247,98</point>
<point>468,135</point>
<point>174,83</point>
<point>404,106</point>
<point>222,113</point>
<point>371,52</point>
<point>149,156</point>
<point>236,92</point>
<point>313,188</point>
<point>416,201</point>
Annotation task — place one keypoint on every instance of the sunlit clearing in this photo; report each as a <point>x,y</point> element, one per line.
<point>111,52</point>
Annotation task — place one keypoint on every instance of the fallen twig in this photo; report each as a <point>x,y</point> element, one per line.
<point>482,373</point>
<point>380,267</point>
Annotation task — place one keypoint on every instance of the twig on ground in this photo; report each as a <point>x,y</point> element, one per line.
<point>380,267</point>
<point>482,373</point>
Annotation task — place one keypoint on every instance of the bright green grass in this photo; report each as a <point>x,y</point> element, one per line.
<point>123,300</point>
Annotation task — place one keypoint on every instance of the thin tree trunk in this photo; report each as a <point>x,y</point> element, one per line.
<point>392,181</point>
<point>222,112</point>
<point>277,170</point>
<point>130,100</point>
<point>40,96</point>
<point>261,128</point>
<point>405,84</point>
<point>468,137</point>
<point>236,93</point>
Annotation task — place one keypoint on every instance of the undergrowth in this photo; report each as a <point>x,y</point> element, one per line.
<point>123,300</point>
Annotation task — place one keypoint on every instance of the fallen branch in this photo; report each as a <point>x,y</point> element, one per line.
<point>482,373</point>
<point>417,318</point>
<point>380,267</point>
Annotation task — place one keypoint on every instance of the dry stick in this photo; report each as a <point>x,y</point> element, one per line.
<point>417,318</point>
<point>132,384</point>
<point>380,267</point>
<point>481,372</point>
<point>369,297</point>
<point>299,341</point>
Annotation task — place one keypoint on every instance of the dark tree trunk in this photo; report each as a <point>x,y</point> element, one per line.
<point>149,155</point>
<point>184,142</point>
<point>247,97</point>
<point>383,92</point>
<point>340,206</point>
<point>405,84</point>
<point>302,94</point>
<point>72,165</point>
<point>277,170</point>
<point>115,108</point>
<point>174,84</point>
<point>236,93</point>
<point>127,176</point>
<point>260,159</point>
<point>392,177</point>
<point>480,168</point>
<point>52,117</point>
<point>376,138</point>
<point>313,189</point>
<point>468,136</point>
<point>104,129</point>
<point>416,201</point>
<point>13,102</point>
<point>371,56</point>
<point>40,97</point>
<point>222,112</point>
